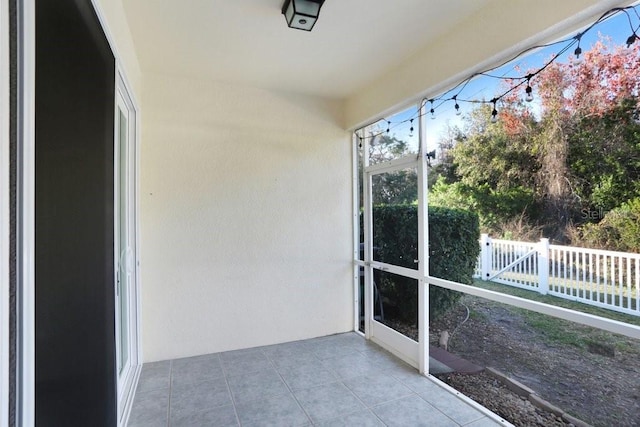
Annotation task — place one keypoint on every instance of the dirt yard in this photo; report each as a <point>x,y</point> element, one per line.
<point>591,374</point>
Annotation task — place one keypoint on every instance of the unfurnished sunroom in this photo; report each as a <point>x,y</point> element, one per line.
<point>179,178</point>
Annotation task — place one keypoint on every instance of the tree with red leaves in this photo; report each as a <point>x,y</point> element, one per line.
<point>578,152</point>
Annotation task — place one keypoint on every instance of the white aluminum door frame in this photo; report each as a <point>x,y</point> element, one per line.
<point>395,342</point>
<point>356,232</point>
<point>123,84</point>
<point>423,243</point>
<point>25,216</point>
<point>403,347</point>
<point>128,380</point>
<point>4,211</point>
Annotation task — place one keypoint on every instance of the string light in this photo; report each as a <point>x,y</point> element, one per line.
<point>578,51</point>
<point>457,106</point>
<point>411,130</point>
<point>528,91</point>
<point>494,113</point>
<point>566,45</point>
<point>577,54</point>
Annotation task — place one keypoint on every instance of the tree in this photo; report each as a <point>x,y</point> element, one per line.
<point>619,229</point>
<point>445,166</point>
<point>490,171</point>
<point>392,188</point>
<point>604,157</point>
<point>581,152</point>
<point>554,187</point>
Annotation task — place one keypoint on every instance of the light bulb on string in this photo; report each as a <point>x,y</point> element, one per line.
<point>388,126</point>
<point>632,38</point>
<point>494,113</point>
<point>411,130</point>
<point>432,111</point>
<point>529,91</point>
<point>577,53</point>
<point>457,106</point>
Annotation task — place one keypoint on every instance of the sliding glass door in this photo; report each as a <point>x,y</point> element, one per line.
<point>126,324</point>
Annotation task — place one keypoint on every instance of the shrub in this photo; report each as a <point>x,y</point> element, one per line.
<point>495,206</point>
<point>454,249</point>
<point>619,230</point>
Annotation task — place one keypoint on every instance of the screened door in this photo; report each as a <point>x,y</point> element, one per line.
<point>393,238</point>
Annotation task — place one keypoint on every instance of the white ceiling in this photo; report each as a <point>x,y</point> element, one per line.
<point>248,41</point>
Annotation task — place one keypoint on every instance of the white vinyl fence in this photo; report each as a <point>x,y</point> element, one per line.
<point>597,277</point>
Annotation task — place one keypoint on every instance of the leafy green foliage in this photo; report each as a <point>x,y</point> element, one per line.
<point>604,157</point>
<point>493,206</point>
<point>453,242</point>
<point>619,229</point>
<point>506,160</point>
<point>575,150</point>
<point>393,188</point>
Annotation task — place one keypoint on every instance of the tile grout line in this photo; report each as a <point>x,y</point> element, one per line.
<point>442,412</point>
<point>226,381</point>
<point>370,408</point>
<point>170,392</point>
<point>341,381</point>
<point>198,381</point>
<point>367,407</point>
<point>289,388</point>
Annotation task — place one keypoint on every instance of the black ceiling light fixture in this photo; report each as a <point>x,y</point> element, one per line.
<point>301,14</point>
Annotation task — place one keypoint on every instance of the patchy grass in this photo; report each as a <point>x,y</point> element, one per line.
<point>476,315</point>
<point>564,332</point>
<point>553,330</point>
<point>559,302</point>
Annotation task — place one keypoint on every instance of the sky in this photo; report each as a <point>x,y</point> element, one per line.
<point>616,27</point>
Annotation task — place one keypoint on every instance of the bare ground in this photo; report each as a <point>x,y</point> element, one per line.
<point>592,375</point>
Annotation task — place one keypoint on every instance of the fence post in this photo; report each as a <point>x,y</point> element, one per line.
<point>485,256</point>
<point>543,266</point>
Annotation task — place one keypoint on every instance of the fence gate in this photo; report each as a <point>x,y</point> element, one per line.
<point>519,264</point>
<point>596,277</point>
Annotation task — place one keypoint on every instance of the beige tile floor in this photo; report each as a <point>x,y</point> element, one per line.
<point>339,380</point>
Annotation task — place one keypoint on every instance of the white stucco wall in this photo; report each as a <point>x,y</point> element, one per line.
<point>246,225</point>
<point>503,28</point>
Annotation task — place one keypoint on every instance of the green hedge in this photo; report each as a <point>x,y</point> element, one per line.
<point>453,242</point>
